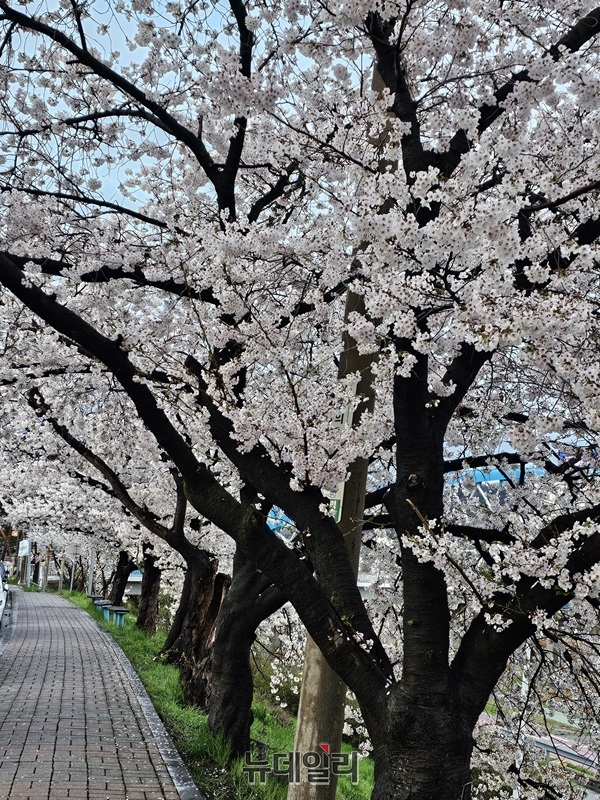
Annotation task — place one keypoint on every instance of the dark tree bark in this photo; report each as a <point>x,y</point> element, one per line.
<point>196,665</point>
<point>198,572</point>
<point>105,580</point>
<point>147,618</point>
<point>250,600</point>
<point>35,560</point>
<point>421,726</point>
<point>190,639</point>
<point>125,566</point>
<point>426,753</point>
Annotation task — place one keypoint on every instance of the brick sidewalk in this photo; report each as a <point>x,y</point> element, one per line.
<point>71,723</point>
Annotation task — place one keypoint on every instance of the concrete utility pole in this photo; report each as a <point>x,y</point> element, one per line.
<point>73,551</point>
<point>90,586</point>
<point>45,568</point>
<point>28,560</point>
<point>322,693</point>
<point>60,575</point>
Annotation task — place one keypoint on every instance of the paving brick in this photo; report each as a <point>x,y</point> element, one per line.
<point>70,724</point>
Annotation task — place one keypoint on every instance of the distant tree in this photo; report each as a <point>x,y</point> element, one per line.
<point>191,195</point>
<point>147,618</point>
<point>125,566</point>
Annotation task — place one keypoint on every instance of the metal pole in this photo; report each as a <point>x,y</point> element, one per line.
<point>28,560</point>
<point>90,587</point>
<point>72,573</point>
<point>60,577</point>
<point>45,567</point>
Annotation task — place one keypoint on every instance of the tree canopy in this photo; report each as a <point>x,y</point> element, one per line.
<point>206,207</point>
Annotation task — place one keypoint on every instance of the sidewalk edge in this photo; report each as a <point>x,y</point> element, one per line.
<point>178,771</point>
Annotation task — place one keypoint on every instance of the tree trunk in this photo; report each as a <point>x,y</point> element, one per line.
<point>190,639</point>
<point>147,618</point>
<point>196,664</point>
<point>424,741</point>
<point>125,566</point>
<point>173,647</point>
<point>105,581</point>
<point>249,601</point>
<point>230,702</point>
<point>424,754</point>
<point>36,568</point>
<point>199,572</point>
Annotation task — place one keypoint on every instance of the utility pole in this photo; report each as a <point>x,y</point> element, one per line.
<point>90,586</point>
<point>73,551</point>
<point>45,568</point>
<point>60,575</point>
<point>28,561</point>
<point>322,693</point>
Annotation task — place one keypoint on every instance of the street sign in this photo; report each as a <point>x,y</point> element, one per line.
<point>24,548</point>
<point>336,498</point>
<point>342,420</point>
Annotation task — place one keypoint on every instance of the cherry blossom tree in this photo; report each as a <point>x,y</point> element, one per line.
<point>215,664</point>
<point>135,498</point>
<point>191,195</point>
<point>42,499</point>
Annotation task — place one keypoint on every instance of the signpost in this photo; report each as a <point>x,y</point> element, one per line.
<point>90,586</point>
<point>72,552</point>
<point>24,548</point>
<point>24,566</point>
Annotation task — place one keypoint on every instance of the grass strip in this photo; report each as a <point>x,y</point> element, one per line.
<point>206,755</point>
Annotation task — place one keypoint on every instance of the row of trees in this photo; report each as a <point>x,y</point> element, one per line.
<point>206,211</point>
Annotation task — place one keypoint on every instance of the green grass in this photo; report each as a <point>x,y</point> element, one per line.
<point>207,756</point>
<point>33,587</point>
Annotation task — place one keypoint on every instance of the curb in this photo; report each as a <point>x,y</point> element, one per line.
<point>178,771</point>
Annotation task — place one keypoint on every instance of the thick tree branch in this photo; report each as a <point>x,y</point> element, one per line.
<point>489,535</point>
<point>91,201</point>
<point>52,266</point>
<point>393,75</point>
<point>236,143</point>
<point>563,523</point>
<point>481,462</point>
<point>274,193</point>
<point>461,372</point>
<point>552,204</point>
<point>81,119</point>
<point>175,128</point>
<point>581,33</point>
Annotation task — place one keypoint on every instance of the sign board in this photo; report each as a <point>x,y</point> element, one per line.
<point>336,498</point>
<point>342,420</point>
<point>74,550</point>
<point>24,548</point>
